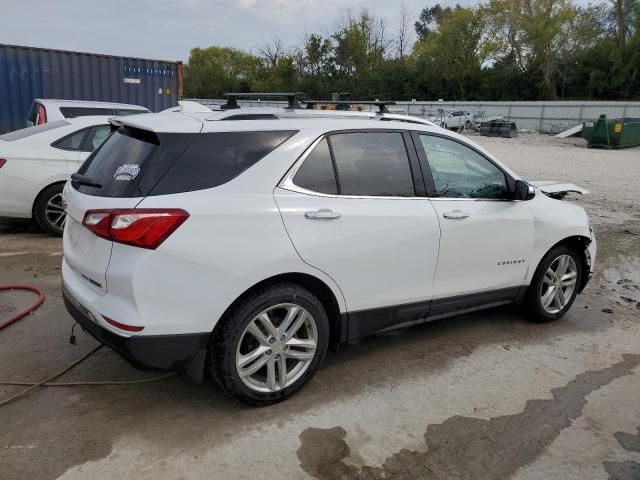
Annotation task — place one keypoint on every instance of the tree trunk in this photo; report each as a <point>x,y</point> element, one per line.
<point>619,9</point>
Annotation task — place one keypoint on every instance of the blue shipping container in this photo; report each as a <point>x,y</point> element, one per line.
<point>27,73</point>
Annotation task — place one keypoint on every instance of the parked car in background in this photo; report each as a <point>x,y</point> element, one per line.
<point>244,243</point>
<point>453,120</point>
<point>35,162</point>
<point>50,110</point>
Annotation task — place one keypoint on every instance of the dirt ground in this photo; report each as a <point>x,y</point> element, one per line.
<point>483,396</point>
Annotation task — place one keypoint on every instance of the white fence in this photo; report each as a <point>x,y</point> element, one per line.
<point>544,116</point>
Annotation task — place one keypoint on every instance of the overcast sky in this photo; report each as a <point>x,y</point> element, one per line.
<point>168,29</point>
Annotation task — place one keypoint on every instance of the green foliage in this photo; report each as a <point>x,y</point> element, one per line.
<point>501,50</point>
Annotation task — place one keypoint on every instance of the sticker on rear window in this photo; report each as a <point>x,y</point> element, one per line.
<point>127,172</point>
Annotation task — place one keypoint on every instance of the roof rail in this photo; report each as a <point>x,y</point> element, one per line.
<point>292,98</point>
<point>382,106</point>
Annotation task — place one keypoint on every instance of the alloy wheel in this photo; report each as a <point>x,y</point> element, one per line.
<point>276,348</point>
<point>54,212</point>
<point>558,284</point>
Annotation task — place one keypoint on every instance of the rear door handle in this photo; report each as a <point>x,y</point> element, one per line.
<point>322,214</point>
<point>455,215</point>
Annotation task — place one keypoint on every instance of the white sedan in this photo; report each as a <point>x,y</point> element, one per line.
<point>454,120</point>
<point>36,162</point>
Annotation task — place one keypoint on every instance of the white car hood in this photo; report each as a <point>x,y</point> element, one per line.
<point>555,187</point>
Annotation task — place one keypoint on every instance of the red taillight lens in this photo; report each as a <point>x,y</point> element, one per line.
<point>122,326</point>
<point>141,227</point>
<point>2,162</point>
<point>42,115</point>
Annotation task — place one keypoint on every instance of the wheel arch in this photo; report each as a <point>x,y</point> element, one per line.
<point>580,244</point>
<point>312,283</point>
<point>42,189</point>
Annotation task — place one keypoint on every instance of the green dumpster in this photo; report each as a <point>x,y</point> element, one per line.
<point>618,133</point>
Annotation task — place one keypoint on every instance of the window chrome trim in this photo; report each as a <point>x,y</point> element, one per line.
<point>287,182</point>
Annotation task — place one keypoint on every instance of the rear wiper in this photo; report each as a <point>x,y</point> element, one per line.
<point>84,180</point>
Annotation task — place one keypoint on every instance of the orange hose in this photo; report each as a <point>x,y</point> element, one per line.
<point>24,311</point>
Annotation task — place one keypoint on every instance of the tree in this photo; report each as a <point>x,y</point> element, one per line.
<point>502,50</point>
<point>404,38</point>
<point>272,51</point>
<point>459,45</point>
<point>537,33</point>
<point>359,46</point>
<point>214,70</point>
<point>429,17</point>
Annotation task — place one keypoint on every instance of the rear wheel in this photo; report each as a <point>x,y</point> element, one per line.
<point>270,345</point>
<point>49,211</point>
<point>555,284</point>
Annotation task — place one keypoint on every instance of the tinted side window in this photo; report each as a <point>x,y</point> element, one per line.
<point>73,141</point>
<point>372,164</point>
<point>316,173</point>
<point>97,135</point>
<point>73,112</point>
<point>216,158</point>
<point>460,172</point>
<point>124,112</point>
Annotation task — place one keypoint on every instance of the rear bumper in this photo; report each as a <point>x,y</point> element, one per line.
<point>184,353</point>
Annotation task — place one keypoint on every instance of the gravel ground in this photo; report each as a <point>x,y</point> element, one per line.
<point>486,395</point>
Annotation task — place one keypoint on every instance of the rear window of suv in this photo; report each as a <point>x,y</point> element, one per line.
<point>135,163</point>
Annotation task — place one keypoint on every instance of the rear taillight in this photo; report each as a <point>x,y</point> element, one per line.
<point>141,227</point>
<point>42,115</point>
<point>2,162</point>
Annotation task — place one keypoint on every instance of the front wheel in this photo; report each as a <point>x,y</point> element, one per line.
<point>270,345</point>
<point>554,286</point>
<point>49,211</point>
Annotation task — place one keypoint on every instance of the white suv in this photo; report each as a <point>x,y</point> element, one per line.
<point>248,246</point>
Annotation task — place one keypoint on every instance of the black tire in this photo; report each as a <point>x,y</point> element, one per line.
<point>225,340</point>
<point>533,301</point>
<point>51,193</point>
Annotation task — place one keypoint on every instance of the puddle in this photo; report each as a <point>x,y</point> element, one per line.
<point>627,470</point>
<point>618,267</point>
<point>470,448</point>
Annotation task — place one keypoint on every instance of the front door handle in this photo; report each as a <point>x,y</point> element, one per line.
<point>455,215</point>
<point>322,214</point>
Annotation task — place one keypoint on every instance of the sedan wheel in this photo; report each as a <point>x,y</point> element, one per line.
<point>559,282</point>
<point>276,348</point>
<point>54,212</point>
<point>48,210</point>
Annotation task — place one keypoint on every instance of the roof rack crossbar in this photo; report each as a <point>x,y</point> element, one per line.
<point>382,105</point>
<point>292,98</point>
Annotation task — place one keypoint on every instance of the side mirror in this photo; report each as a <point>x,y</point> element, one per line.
<point>523,191</point>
